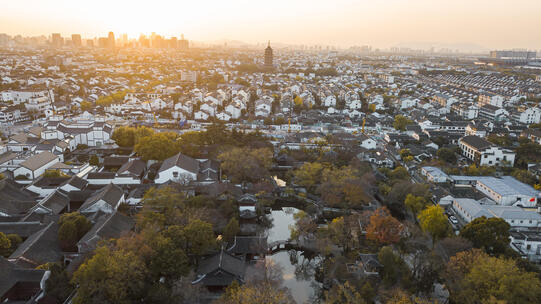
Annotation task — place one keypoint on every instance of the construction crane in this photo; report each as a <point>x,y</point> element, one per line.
<point>289,125</point>
<point>50,99</point>
<point>289,119</point>
<point>153,114</point>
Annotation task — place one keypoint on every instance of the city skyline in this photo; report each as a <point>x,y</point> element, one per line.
<point>343,23</point>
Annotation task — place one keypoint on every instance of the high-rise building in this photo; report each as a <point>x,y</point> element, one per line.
<point>183,44</point>
<point>111,40</point>
<point>520,54</point>
<point>144,41</point>
<point>76,40</point>
<point>89,43</point>
<point>156,41</point>
<point>268,57</point>
<point>103,42</point>
<point>173,43</point>
<point>57,40</point>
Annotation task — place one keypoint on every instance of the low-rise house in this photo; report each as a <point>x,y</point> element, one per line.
<point>249,247</point>
<point>456,127</point>
<point>131,172</point>
<point>527,116</point>
<point>53,204</point>
<point>491,99</point>
<point>508,191</point>
<point>22,142</point>
<point>406,103</point>
<point>476,129</point>
<point>485,153</point>
<point>493,113</point>
<point>223,116</point>
<point>534,135</point>
<point>44,186</point>
<point>219,271</point>
<point>329,101</point>
<point>105,200</point>
<point>40,248</point>
<point>75,183</point>
<point>434,175</point>
<point>201,115</point>
<point>92,132</point>
<point>470,209</point>
<point>20,285</point>
<point>367,142</point>
<point>177,167</point>
<point>184,169</point>
<point>23,229</point>
<point>505,190</point>
<point>527,244</point>
<point>15,201</point>
<point>233,110</point>
<point>36,165</point>
<point>108,226</point>
<point>466,111</point>
<point>12,114</point>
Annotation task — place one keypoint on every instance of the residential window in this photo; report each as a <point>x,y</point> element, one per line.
<point>175,174</point>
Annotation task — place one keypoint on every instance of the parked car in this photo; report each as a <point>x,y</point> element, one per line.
<point>453,219</point>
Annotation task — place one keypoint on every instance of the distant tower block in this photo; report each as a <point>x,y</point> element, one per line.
<point>268,57</point>
<point>111,40</point>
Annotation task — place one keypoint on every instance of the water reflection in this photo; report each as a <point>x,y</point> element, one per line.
<point>298,268</point>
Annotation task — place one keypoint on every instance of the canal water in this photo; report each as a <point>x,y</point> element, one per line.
<point>297,270</point>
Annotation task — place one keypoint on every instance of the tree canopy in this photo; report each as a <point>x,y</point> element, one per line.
<point>475,277</point>
<point>400,122</point>
<point>245,164</point>
<point>433,220</point>
<point>157,146</point>
<point>490,234</point>
<point>110,277</point>
<point>72,227</point>
<point>384,228</point>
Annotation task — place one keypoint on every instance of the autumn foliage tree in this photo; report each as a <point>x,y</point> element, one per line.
<point>158,146</point>
<point>5,244</point>
<point>110,277</point>
<point>475,277</point>
<point>383,228</point>
<point>259,293</point>
<point>433,220</point>
<point>308,175</point>
<point>343,187</point>
<point>343,294</point>
<point>72,227</point>
<point>415,203</point>
<point>245,164</point>
<point>129,136</point>
<point>340,233</point>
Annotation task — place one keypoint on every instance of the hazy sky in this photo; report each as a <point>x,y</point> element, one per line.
<point>381,23</point>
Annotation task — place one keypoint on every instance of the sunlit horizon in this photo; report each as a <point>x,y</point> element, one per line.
<point>387,23</point>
